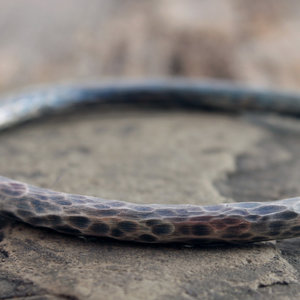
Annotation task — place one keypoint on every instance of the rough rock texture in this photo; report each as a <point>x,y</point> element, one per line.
<point>150,156</point>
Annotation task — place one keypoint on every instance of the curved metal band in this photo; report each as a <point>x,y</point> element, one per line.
<point>173,92</point>
<point>84,215</point>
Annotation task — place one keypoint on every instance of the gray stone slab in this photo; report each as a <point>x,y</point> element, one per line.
<point>142,156</point>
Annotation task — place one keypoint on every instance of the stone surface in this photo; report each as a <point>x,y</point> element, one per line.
<point>148,156</point>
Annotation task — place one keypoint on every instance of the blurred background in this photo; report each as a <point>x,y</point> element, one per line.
<point>255,42</point>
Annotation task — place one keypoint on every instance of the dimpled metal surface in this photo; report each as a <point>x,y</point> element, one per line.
<point>84,215</point>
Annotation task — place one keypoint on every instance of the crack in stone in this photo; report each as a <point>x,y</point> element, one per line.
<point>262,285</point>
